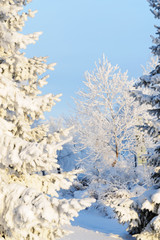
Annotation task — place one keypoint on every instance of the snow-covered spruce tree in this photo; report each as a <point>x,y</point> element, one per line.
<point>143,140</point>
<point>143,212</point>
<point>148,94</point>
<point>29,204</point>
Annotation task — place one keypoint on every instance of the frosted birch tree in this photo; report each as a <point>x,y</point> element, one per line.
<point>80,153</point>
<point>106,119</point>
<point>105,114</point>
<point>29,204</point>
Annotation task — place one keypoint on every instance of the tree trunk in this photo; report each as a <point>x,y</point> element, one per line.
<point>115,161</point>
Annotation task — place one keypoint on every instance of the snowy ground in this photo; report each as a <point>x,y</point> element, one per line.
<point>92,226</point>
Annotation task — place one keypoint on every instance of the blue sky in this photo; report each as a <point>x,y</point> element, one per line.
<point>77,33</point>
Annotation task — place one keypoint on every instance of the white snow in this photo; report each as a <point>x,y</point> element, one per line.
<point>92,226</point>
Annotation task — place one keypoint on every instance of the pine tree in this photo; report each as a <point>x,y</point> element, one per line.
<point>29,204</point>
<point>143,212</point>
<point>148,94</point>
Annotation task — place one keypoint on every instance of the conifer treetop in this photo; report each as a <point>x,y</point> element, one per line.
<point>29,182</point>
